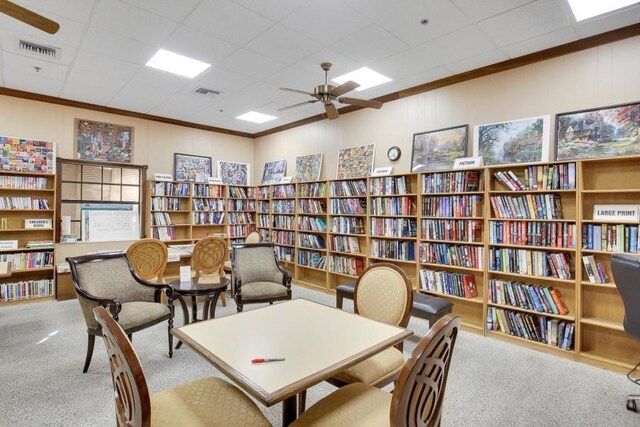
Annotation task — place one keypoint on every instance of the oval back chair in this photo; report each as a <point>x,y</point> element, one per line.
<point>253,237</point>
<point>209,255</point>
<point>148,257</point>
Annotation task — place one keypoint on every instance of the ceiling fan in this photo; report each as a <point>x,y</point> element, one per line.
<point>327,93</point>
<point>29,17</point>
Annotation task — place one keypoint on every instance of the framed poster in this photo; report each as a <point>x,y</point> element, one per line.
<point>233,173</point>
<point>188,167</point>
<point>515,141</point>
<point>104,142</point>
<point>273,172</point>
<point>27,155</point>
<point>355,162</point>
<point>308,168</point>
<point>601,132</point>
<point>437,149</point>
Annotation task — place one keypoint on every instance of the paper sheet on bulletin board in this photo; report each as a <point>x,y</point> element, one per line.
<point>110,222</point>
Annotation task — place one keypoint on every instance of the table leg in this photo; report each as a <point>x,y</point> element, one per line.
<point>213,301</point>
<point>205,308</point>
<point>194,306</point>
<point>185,314</point>
<point>289,410</point>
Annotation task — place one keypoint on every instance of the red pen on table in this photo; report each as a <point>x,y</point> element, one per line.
<point>267,360</point>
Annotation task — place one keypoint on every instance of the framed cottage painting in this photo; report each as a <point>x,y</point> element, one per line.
<point>27,155</point>
<point>601,132</point>
<point>355,162</point>
<point>103,142</point>
<point>188,167</point>
<point>437,149</point>
<point>308,168</point>
<point>273,172</point>
<point>233,173</point>
<point>515,141</point>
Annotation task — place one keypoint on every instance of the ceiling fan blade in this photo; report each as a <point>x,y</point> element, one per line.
<point>296,91</point>
<point>332,113</point>
<point>344,88</point>
<point>300,104</point>
<point>360,102</point>
<point>29,17</point>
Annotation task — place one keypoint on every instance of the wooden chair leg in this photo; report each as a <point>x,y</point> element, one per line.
<point>170,337</point>
<point>130,336</point>
<point>90,344</point>
<point>223,298</point>
<point>339,299</point>
<point>302,402</point>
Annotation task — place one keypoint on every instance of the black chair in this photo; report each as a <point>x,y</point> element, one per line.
<point>626,272</point>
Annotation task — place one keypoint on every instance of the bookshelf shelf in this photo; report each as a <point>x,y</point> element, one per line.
<point>475,300</point>
<point>531,277</point>
<point>393,260</point>
<point>614,191</point>
<point>453,242</point>
<point>348,254</point>
<point>548,248</point>
<point>534,344</point>
<point>517,192</point>
<point>602,323</point>
<point>598,285</point>
<point>454,193</point>
<point>537,313</point>
<point>447,266</point>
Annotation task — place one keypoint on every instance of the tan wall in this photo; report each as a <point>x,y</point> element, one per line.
<point>601,76</point>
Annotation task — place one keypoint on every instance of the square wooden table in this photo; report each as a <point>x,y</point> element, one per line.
<point>317,342</point>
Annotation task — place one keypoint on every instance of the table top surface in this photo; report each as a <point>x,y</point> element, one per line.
<point>317,341</point>
<point>194,287</point>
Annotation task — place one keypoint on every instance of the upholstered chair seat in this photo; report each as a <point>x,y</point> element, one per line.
<point>379,368</point>
<point>262,290</point>
<point>136,314</point>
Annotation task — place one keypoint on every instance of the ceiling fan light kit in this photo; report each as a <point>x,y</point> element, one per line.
<point>327,93</point>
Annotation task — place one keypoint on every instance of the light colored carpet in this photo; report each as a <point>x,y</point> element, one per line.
<point>42,349</point>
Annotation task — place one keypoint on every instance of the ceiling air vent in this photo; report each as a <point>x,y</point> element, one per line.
<point>206,92</point>
<point>39,50</point>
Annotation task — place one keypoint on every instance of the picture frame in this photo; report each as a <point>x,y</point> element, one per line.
<point>438,149</point>
<point>355,162</point>
<point>234,173</point>
<point>308,167</point>
<point>189,167</point>
<point>515,141</point>
<point>601,132</point>
<point>105,142</point>
<point>27,155</point>
<point>273,172</point>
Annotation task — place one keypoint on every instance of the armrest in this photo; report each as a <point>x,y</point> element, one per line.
<point>114,305</point>
<point>158,287</point>
<point>286,276</point>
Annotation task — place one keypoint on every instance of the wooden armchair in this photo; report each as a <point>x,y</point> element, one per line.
<point>148,257</point>
<point>208,259</point>
<point>257,276</point>
<point>109,280</point>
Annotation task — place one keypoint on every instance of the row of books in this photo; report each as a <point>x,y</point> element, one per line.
<point>240,218</point>
<point>283,206</point>
<point>263,206</point>
<point>264,221</point>
<point>446,282</point>
<point>26,289</point>
<point>208,204</point>
<point>544,299</point>
<point>311,206</point>
<point>348,207</point>
<point>312,241</point>
<point>281,191</point>
<point>394,227</point>
<point>312,259</point>
<point>451,182</point>
<point>23,182</point>
<point>27,260</point>
<point>389,185</point>
<point>314,189</point>
<point>346,265</point>
<point>532,263</point>
<point>208,218</point>
<point>236,231</point>
<point>170,189</point>
<point>287,238</point>
<point>456,255</point>
<point>165,204</point>
<point>39,244</point>
<point>610,237</point>
<point>311,223</point>
<point>164,232</point>
<point>349,188</point>
<point>248,205</point>
<point>393,249</point>
<point>392,206</point>
<point>529,206</point>
<point>284,221</point>
<point>263,192</point>
<point>241,192</point>
<point>346,244</point>
<point>265,236</point>
<point>208,190</point>
<point>283,253</point>
<point>553,234</point>
<point>37,203</point>
<point>545,177</point>
<point>161,218</point>
<point>463,230</point>
<point>452,206</point>
<point>347,225</point>
<point>595,270</point>
<point>532,327</point>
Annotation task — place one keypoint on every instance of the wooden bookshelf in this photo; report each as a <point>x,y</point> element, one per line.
<point>169,215</point>
<point>283,218</point>
<point>263,212</point>
<point>241,212</point>
<point>312,230</point>
<point>25,196</point>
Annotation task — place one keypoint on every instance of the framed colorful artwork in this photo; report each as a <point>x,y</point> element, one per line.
<point>233,173</point>
<point>104,142</point>
<point>355,162</point>
<point>273,172</point>
<point>188,167</point>
<point>308,168</point>
<point>27,155</point>
<point>437,149</point>
<point>600,132</point>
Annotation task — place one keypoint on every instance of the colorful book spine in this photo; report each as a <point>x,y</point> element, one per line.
<point>448,283</point>
<point>454,255</point>
<point>532,327</point>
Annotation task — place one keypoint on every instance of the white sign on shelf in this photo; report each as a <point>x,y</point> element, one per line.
<point>214,180</point>
<point>285,179</point>
<point>162,176</point>
<point>185,273</point>
<point>8,244</point>
<point>468,162</point>
<point>617,213</point>
<point>382,171</point>
<point>38,223</point>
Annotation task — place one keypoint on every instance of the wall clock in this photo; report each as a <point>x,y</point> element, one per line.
<point>394,153</point>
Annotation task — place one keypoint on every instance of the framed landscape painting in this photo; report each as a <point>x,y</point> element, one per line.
<point>104,142</point>
<point>355,162</point>
<point>515,141</point>
<point>308,168</point>
<point>437,149</point>
<point>601,132</point>
<point>273,172</point>
<point>188,167</point>
<point>233,173</point>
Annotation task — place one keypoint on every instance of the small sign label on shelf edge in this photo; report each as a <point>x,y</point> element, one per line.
<point>387,170</point>
<point>468,162</point>
<point>162,176</point>
<point>618,213</point>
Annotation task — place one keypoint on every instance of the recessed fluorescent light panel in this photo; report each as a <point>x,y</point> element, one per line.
<point>254,117</point>
<point>585,9</point>
<point>365,77</point>
<point>177,64</point>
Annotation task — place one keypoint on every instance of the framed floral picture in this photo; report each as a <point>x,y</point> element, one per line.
<point>188,167</point>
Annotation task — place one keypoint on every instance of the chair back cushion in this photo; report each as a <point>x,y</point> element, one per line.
<point>148,257</point>
<point>417,398</point>
<point>209,255</point>
<point>256,263</point>
<point>133,404</point>
<point>111,278</point>
<point>253,237</point>
<point>626,271</point>
<point>383,293</point>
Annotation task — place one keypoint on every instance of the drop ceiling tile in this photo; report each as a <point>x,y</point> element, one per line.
<point>262,92</point>
<point>545,41</point>
<point>425,77</point>
<point>272,9</point>
<point>86,86</point>
<point>597,25</point>
<point>478,61</point>
<point>283,45</point>
<point>228,21</point>
<point>105,65</point>
<point>70,32</point>
<point>251,64</point>
<point>126,20</point>
<point>18,79</point>
<point>525,22</point>
<point>109,44</point>
<point>10,43</point>
<point>161,80</point>
<point>297,78</point>
<point>171,9</point>
<point>480,10</point>
<point>402,17</point>
<point>340,65</point>
<point>182,106</point>
<point>25,65</point>
<point>370,44</point>
<point>325,21</point>
<point>78,10</point>
<point>198,45</point>
<point>136,97</point>
<point>222,80</point>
